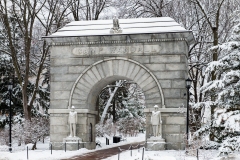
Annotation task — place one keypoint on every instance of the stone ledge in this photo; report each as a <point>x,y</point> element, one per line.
<point>146,110</point>
<point>79,111</point>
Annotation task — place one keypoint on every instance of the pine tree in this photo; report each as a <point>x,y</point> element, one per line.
<point>226,118</point>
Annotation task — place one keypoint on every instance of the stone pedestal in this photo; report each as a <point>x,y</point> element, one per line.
<point>156,144</point>
<point>72,143</point>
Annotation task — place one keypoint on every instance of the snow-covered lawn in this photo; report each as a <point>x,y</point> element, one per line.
<point>43,152</point>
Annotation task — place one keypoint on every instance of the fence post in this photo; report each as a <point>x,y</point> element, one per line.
<point>78,144</point>
<point>131,150</point>
<point>197,154</point>
<point>143,154</point>
<point>51,148</point>
<point>119,153</point>
<point>27,152</point>
<point>65,147</point>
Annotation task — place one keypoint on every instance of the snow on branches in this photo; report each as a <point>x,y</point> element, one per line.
<point>226,90</point>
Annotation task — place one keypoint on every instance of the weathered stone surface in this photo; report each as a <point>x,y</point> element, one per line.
<point>179,84</point>
<point>120,67</point>
<point>59,104</point>
<point>146,82</point>
<point>107,71</point>
<point>171,128</point>
<point>96,73</point>
<point>165,59</point>
<point>82,97</point>
<point>60,51</point>
<point>172,93</point>
<point>153,101</point>
<point>149,86</point>
<point>175,120</point>
<point>175,103</point>
<point>156,146</point>
<point>135,72</point>
<point>76,69</point>
<point>64,77</point>
<point>125,68</point>
<point>88,61</point>
<point>156,62</point>
<point>130,69</point>
<point>84,85</point>
<point>165,83</point>
<point>175,146</point>
<point>170,75</point>
<point>59,121</point>
<point>142,59</point>
<point>61,86</point>
<point>79,103</point>
<point>156,67</point>
<point>173,48</point>
<point>59,70</point>
<point>140,75</point>
<point>174,138</point>
<point>143,78</point>
<point>61,94</point>
<point>61,129</point>
<point>58,137</point>
<point>175,67</point>
<point>151,49</point>
<point>66,61</point>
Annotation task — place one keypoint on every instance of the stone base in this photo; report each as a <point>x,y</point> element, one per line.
<point>72,143</point>
<point>72,139</point>
<point>156,144</point>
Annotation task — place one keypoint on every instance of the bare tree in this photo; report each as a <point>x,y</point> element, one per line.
<point>33,19</point>
<point>27,10</point>
<point>88,9</point>
<point>141,8</point>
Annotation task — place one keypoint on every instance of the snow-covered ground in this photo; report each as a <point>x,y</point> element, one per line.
<point>43,152</point>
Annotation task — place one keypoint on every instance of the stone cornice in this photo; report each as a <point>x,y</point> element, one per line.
<point>57,111</point>
<point>116,42</point>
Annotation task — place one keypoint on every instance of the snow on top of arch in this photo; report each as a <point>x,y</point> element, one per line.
<point>128,26</point>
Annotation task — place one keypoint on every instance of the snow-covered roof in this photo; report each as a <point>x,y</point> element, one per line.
<point>128,26</point>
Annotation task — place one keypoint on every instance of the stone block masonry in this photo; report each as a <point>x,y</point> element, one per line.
<point>82,63</point>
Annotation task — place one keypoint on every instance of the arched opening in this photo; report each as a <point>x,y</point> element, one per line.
<point>90,82</point>
<point>120,109</point>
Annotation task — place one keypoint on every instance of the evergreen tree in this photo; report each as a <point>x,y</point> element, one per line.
<point>226,87</point>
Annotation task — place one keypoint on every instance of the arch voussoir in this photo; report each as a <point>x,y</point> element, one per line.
<point>130,69</point>
<point>135,72</point>
<point>96,73</point>
<point>125,68</point>
<point>106,69</point>
<point>144,78</point>
<point>120,67</point>
<point>139,75</point>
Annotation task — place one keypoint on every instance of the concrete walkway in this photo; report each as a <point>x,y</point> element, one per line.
<point>104,153</point>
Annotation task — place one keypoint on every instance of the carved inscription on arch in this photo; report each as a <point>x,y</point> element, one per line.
<point>114,50</point>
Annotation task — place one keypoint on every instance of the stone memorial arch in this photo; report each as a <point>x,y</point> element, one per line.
<point>88,55</point>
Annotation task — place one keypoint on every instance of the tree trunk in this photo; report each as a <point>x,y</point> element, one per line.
<point>118,84</point>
